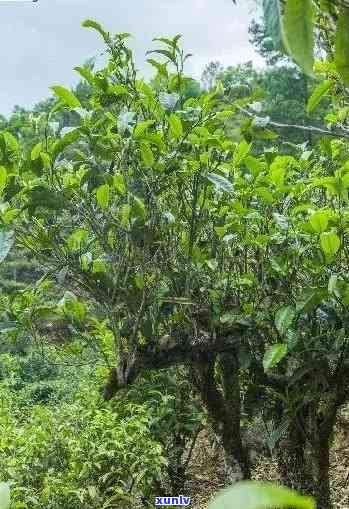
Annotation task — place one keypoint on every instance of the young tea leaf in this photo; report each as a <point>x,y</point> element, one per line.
<point>175,126</point>
<point>330,243</point>
<point>66,96</point>
<point>119,183</point>
<point>147,154</point>
<point>3,178</point>
<point>102,196</point>
<point>274,355</point>
<point>319,221</point>
<point>90,23</point>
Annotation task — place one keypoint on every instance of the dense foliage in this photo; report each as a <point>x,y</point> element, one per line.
<point>187,254</point>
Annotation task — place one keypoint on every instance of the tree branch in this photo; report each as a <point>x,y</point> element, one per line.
<point>153,357</point>
<point>312,129</point>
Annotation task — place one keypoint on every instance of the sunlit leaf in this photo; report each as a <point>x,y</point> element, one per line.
<point>66,96</point>
<point>76,239</point>
<point>319,221</point>
<point>102,196</point>
<point>147,154</point>
<point>3,178</point>
<point>10,142</point>
<point>119,183</point>
<point>175,126</point>
<point>330,243</point>
<point>273,355</point>
<point>284,318</point>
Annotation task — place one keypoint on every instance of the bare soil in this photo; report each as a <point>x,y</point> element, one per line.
<point>206,470</point>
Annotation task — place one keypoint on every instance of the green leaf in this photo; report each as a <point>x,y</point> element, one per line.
<point>90,23</point>
<point>118,89</point>
<point>119,183</point>
<point>147,154</point>
<point>99,266</point>
<point>72,306</point>
<point>5,499</point>
<point>298,27</point>
<point>141,128</point>
<point>341,57</point>
<point>164,52</point>
<point>6,242</point>
<point>46,160</point>
<point>161,68</point>
<point>102,196</point>
<point>138,208</point>
<point>241,151</point>
<point>86,74</point>
<point>124,215</point>
<point>169,42</point>
<point>330,243</point>
<point>36,151</point>
<point>10,142</point>
<point>220,182</point>
<point>176,127</point>
<point>284,318</point>
<point>76,239</point>
<point>258,495</point>
<point>264,194</point>
<point>64,142</point>
<point>318,94</point>
<point>319,221</point>
<point>3,178</point>
<point>274,355</point>
<point>66,96</point>
<point>139,281</point>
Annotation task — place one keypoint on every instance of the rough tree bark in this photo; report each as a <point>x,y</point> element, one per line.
<point>304,462</point>
<point>223,408</point>
<point>304,457</point>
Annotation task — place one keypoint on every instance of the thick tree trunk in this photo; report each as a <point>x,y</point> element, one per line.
<point>304,464</point>
<point>231,390</point>
<point>322,479</point>
<point>223,408</point>
<point>292,463</point>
